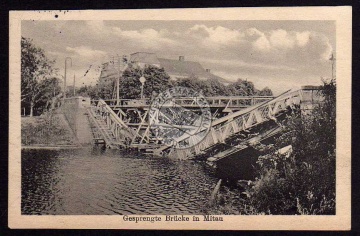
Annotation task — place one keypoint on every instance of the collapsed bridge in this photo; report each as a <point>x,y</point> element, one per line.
<point>235,122</point>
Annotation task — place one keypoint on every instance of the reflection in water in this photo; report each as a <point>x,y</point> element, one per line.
<point>93,181</point>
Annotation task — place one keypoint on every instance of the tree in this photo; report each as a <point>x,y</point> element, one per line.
<point>304,181</point>
<point>214,88</point>
<point>210,87</point>
<point>86,91</point>
<point>36,74</point>
<point>191,82</point>
<point>265,92</point>
<point>157,80</point>
<point>103,89</point>
<point>242,88</point>
<point>50,88</point>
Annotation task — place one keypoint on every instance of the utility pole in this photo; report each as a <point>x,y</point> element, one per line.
<point>65,75</point>
<point>74,85</point>
<point>118,84</point>
<point>332,59</point>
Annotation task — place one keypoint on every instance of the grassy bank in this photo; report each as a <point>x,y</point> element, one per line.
<point>46,131</point>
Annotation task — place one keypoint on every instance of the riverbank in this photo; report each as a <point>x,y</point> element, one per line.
<point>52,147</point>
<point>47,131</point>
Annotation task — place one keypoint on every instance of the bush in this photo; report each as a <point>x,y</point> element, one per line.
<point>230,202</point>
<point>301,181</point>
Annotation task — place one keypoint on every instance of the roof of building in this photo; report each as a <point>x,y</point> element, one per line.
<point>182,67</point>
<point>144,57</point>
<point>108,71</point>
<point>174,68</point>
<point>220,79</point>
<point>187,68</point>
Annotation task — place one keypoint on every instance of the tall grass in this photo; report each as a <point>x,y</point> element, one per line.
<point>45,131</point>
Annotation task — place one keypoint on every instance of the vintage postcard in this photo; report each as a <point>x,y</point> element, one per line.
<point>212,119</point>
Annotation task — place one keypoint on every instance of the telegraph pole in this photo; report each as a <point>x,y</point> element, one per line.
<point>74,85</point>
<point>332,59</point>
<point>118,84</point>
<point>65,75</point>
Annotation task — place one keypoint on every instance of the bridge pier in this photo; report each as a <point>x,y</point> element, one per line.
<point>75,112</point>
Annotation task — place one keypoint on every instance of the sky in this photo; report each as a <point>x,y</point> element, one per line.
<point>277,54</point>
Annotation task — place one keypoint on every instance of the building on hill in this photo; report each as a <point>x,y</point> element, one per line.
<point>108,72</point>
<point>143,59</point>
<point>176,69</point>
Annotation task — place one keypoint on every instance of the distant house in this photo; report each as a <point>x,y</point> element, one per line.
<point>176,69</point>
<point>143,59</point>
<point>108,72</point>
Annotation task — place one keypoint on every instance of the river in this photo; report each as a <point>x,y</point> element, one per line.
<point>103,182</point>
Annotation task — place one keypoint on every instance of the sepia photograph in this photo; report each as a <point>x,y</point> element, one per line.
<point>180,120</point>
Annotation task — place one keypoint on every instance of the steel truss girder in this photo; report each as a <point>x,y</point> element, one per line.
<point>227,126</point>
<point>141,135</point>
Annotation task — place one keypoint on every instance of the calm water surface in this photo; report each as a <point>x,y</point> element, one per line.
<point>93,181</point>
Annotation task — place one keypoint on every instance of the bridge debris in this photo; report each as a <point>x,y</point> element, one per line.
<point>127,123</point>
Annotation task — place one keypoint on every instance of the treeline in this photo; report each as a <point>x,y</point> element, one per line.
<point>39,81</point>
<point>157,80</point>
<point>212,87</point>
<point>300,181</point>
